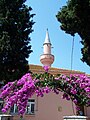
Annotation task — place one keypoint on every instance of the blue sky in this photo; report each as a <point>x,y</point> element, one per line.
<point>45,17</point>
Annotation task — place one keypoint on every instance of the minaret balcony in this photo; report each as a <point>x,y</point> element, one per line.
<point>47,59</point>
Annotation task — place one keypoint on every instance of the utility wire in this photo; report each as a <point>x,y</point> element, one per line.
<point>72,52</point>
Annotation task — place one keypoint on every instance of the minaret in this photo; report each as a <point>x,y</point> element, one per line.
<point>47,58</point>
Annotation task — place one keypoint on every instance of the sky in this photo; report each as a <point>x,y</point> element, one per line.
<point>46,11</point>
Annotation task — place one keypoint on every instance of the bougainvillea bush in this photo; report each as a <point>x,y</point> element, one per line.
<point>74,87</point>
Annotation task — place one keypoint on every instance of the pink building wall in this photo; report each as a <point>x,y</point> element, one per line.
<point>51,107</point>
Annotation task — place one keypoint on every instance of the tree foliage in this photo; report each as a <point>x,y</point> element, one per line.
<point>15,27</point>
<point>75,18</point>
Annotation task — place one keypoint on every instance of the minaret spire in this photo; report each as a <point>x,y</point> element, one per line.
<point>47,39</point>
<point>47,58</point>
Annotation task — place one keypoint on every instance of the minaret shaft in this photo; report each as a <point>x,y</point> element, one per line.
<point>47,49</point>
<point>47,58</point>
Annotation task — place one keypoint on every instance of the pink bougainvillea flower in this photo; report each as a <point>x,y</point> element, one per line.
<point>46,68</point>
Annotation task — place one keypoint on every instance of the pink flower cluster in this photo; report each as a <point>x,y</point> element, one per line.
<point>18,92</point>
<point>75,87</point>
<point>46,68</point>
<point>40,91</point>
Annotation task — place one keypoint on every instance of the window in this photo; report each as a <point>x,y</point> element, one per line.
<point>1,105</point>
<point>14,109</point>
<point>30,109</point>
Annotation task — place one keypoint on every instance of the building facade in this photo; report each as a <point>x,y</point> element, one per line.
<point>50,106</point>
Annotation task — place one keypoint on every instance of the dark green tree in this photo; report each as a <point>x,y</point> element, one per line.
<point>75,18</point>
<point>16,23</point>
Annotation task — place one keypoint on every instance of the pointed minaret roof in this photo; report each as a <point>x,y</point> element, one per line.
<point>47,39</point>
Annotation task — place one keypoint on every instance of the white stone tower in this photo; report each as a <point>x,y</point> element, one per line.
<point>47,58</point>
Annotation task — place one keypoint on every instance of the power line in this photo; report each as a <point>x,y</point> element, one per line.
<point>72,52</point>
